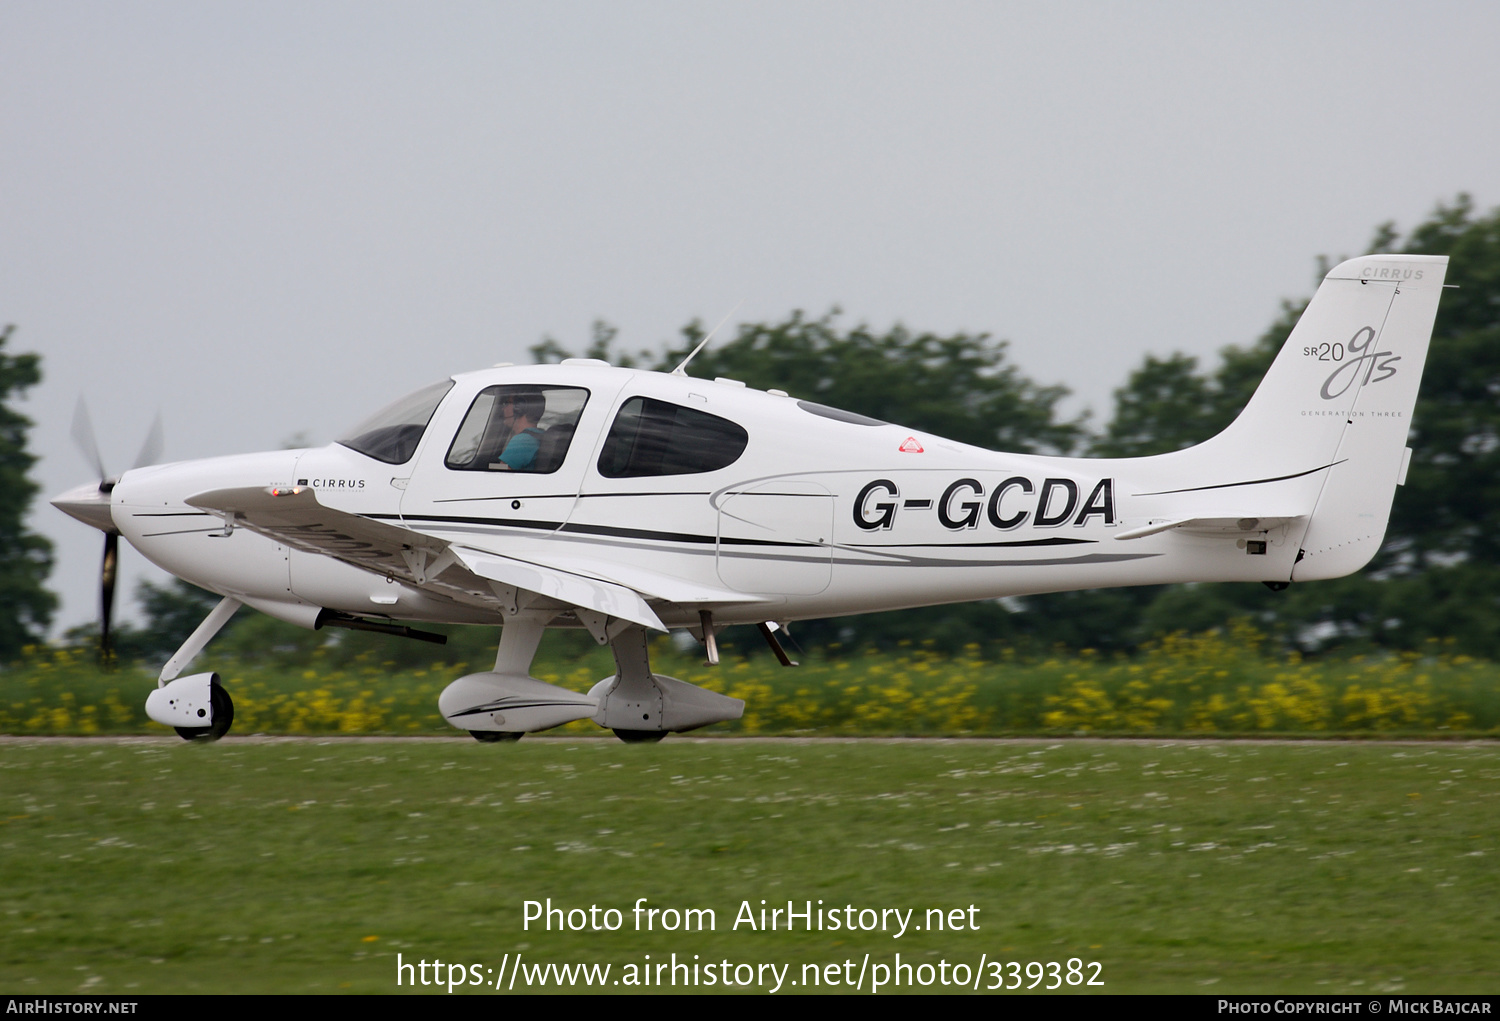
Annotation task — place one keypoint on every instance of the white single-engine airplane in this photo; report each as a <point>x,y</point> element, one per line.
<point>624,502</point>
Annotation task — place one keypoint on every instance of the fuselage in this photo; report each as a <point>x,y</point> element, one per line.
<point>815,512</point>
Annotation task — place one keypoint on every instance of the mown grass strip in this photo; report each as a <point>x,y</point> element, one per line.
<point>1194,867</point>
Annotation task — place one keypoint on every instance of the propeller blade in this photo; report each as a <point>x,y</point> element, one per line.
<point>151,448</point>
<point>88,444</point>
<point>107,595</point>
<point>83,435</point>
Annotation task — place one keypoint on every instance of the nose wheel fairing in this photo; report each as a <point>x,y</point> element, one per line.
<point>196,706</point>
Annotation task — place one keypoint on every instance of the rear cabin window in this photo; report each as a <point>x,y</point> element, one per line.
<point>518,429</point>
<point>651,437</point>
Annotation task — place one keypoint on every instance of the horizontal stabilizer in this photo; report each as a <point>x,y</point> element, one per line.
<point>1212,525</point>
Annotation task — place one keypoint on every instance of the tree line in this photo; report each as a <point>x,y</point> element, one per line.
<point>1437,578</point>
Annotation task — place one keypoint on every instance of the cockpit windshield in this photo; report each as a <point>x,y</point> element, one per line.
<point>392,433</point>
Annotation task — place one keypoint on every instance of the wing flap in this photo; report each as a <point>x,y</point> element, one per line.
<point>590,593</point>
<point>649,583</point>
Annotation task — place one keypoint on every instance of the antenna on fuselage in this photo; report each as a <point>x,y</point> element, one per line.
<point>681,369</point>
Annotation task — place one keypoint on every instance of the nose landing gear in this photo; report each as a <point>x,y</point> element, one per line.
<point>180,702</point>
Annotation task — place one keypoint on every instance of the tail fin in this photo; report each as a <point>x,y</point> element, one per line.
<point>1336,406</point>
<point>1374,389</point>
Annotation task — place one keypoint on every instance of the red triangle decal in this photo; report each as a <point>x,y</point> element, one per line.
<point>911,446</point>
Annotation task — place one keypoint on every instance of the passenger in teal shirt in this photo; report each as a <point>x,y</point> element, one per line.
<point>522,413</point>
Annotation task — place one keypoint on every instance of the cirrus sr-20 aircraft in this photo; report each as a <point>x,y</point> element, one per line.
<point>624,502</point>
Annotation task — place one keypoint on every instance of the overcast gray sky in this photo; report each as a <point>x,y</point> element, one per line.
<point>266,219</point>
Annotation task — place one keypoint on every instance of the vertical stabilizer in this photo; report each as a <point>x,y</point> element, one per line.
<point>1323,439</point>
<point>1369,394</point>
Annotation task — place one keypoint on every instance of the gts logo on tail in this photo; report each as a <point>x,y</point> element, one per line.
<point>1361,361</point>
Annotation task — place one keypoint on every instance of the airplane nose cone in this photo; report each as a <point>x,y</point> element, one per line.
<point>88,503</point>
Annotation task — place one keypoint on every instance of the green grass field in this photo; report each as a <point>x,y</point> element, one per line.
<point>258,866</point>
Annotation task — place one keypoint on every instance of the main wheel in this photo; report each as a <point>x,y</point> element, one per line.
<point>640,736</point>
<point>496,736</point>
<point>223,709</point>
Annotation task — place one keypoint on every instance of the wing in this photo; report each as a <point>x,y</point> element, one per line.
<point>294,517</point>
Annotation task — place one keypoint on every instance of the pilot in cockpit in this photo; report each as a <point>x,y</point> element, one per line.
<point>521,413</point>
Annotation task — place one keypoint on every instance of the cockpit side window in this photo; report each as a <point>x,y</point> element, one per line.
<point>517,428</point>
<point>651,437</point>
<point>392,433</point>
